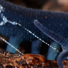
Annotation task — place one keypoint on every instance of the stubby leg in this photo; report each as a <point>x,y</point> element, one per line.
<point>35,47</point>
<point>52,54</point>
<point>15,41</point>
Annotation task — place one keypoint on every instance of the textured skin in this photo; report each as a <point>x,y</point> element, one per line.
<point>55,21</point>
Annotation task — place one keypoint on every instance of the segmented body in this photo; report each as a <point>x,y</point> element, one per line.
<point>55,21</point>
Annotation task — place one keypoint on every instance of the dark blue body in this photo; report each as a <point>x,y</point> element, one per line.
<point>55,21</point>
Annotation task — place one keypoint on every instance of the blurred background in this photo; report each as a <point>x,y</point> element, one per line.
<point>53,5</point>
